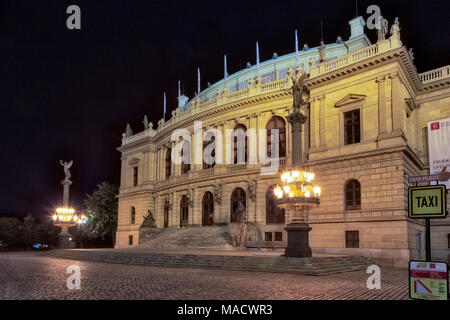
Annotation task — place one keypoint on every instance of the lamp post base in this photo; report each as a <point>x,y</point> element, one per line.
<point>298,240</point>
<point>64,241</point>
<point>64,236</point>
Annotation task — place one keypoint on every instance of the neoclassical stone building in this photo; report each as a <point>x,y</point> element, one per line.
<point>365,134</point>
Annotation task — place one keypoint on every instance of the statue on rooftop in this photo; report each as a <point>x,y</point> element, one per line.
<point>128,131</point>
<point>145,122</point>
<point>383,28</point>
<point>395,29</point>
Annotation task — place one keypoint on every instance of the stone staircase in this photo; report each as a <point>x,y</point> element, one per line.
<point>212,238</point>
<point>276,264</point>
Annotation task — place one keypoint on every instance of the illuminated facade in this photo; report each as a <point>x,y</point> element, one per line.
<point>365,134</point>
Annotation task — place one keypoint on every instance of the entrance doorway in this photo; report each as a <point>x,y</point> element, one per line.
<point>208,209</point>
<point>184,212</point>
<point>166,214</point>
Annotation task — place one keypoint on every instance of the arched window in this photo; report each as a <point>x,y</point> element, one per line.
<point>168,163</point>
<point>273,213</point>
<point>208,209</point>
<point>210,136</point>
<point>184,212</point>
<point>279,124</point>
<point>133,215</point>
<point>240,144</point>
<point>238,205</point>
<point>352,195</point>
<point>185,167</point>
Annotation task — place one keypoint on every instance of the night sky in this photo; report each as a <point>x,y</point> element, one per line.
<point>68,94</point>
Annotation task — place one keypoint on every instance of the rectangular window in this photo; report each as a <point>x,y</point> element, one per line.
<point>278,236</point>
<point>135,176</point>
<point>268,236</point>
<point>352,127</point>
<point>130,240</point>
<point>352,239</point>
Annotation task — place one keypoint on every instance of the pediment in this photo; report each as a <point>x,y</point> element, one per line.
<point>133,161</point>
<point>350,98</point>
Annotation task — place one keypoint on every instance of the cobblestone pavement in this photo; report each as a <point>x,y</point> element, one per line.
<point>30,276</point>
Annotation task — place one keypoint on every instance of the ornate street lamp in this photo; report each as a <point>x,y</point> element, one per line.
<point>65,216</point>
<point>298,194</point>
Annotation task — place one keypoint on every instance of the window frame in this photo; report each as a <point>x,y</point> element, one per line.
<point>133,215</point>
<point>353,127</point>
<point>282,132</point>
<point>354,242</point>
<point>135,176</point>
<point>355,205</point>
<point>357,105</point>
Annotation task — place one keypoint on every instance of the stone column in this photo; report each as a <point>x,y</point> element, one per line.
<point>323,123</point>
<point>312,121</point>
<point>398,111</point>
<point>123,169</point>
<point>288,136</point>
<point>382,116</point>
<point>158,164</point>
<point>174,171</point>
<point>306,134</point>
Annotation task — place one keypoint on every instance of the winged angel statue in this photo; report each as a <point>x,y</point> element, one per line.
<point>66,169</point>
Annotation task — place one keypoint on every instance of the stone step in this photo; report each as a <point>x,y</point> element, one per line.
<point>319,266</point>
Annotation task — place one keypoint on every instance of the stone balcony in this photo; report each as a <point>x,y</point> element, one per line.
<point>435,75</point>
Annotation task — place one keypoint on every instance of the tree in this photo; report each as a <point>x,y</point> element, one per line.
<point>102,207</point>
<point>11,230</point>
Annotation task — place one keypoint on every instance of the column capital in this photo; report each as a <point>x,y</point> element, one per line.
<point>380,79</point>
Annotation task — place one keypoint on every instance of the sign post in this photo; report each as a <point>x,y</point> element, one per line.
<point>427,202</point>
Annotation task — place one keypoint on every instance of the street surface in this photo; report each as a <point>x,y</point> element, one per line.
<point>30,276</point>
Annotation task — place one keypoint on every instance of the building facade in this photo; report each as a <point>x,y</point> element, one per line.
<point>366,134</point>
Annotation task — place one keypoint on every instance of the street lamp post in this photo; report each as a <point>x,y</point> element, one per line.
<point>298,194</point>
<point>65,216</point>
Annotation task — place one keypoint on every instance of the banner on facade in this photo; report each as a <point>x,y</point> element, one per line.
<point>439,146</point>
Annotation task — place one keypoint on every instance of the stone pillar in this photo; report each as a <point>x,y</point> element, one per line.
<point>323,122</point>
<point>306,134</point>
<point>382,116</point>
<point>123,169</point>
<point>173,165</point>
<point>312,121</point>
<point>66,184</point>
<point>158,164</point>
<point>145,168</point>
<point>398,111</point>
<point>198,148</point>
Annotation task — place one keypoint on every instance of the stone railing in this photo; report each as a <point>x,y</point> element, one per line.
<point>435,75</point>
<point>346,60</point>
<point>236,167</point>
<point>274,85</point>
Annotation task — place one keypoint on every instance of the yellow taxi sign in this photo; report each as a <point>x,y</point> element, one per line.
<point>427,202</point>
